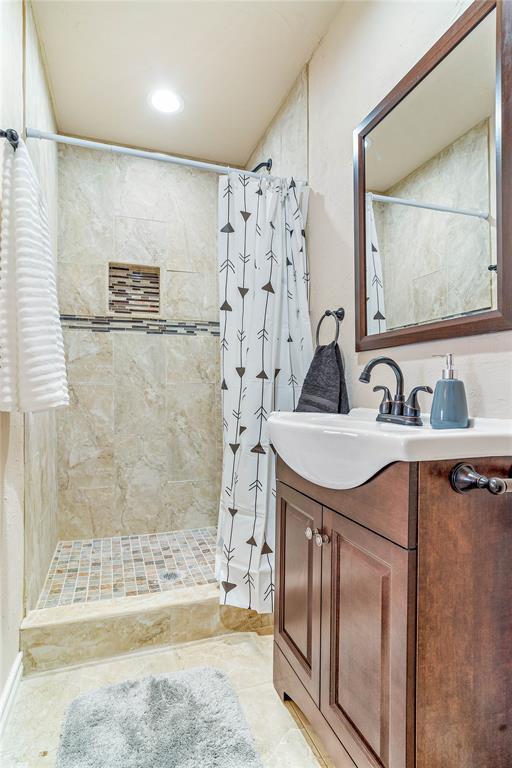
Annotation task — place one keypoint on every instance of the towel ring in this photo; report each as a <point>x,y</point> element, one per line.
<point>338,315</point>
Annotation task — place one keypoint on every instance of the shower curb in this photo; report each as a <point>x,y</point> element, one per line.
<point>52,638</point>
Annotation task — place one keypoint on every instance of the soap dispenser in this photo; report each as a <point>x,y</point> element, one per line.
<point>449,406</point>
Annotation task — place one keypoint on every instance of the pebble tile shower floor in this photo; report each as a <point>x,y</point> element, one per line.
<point>122,566</point>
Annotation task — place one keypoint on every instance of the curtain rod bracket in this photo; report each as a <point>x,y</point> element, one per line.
<point>267,164</point>
<point>12,137</point>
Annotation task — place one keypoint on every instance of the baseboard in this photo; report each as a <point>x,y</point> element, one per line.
<point>9,690</point>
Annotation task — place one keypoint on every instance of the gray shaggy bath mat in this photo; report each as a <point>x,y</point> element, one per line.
<point>189,719</point>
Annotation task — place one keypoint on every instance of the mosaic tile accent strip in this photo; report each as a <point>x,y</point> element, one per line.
<point>87,570</point>
<point>103,324</point>
<point>133,290</point>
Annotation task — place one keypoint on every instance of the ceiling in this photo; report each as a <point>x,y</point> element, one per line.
<point>457,95</point>
<point>232,63</point>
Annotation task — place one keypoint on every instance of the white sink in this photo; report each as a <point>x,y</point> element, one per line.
<point>337,451</point>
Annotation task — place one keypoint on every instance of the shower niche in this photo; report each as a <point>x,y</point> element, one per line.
<point>133,289</point>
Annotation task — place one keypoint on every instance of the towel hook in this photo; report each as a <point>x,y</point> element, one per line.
<point>338,315</point>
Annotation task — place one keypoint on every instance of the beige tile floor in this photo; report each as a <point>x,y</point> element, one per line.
<point>283,738</point>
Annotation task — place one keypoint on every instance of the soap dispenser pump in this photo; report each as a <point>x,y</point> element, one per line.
<point>449,406</point>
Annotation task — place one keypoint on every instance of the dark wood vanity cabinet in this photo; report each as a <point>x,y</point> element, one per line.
<point>366,616</point>
<point>393,622</point>
<point>297,612</point>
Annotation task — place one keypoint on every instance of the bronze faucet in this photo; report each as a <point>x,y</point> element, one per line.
<point>396,410</point>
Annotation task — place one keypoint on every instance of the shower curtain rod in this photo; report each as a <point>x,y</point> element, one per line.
<point>34,133</point>
<point>430,206</point>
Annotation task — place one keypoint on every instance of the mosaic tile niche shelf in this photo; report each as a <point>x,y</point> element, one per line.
<point>88,570</point>
<point>133,289</point>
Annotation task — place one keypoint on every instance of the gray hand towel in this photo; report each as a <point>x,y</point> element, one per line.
<point>325,389</point>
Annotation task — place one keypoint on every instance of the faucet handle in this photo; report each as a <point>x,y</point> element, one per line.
<point>411,406</point>
<point>387,402</point>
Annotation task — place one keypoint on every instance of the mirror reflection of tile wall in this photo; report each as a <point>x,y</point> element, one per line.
<point>435,265</point>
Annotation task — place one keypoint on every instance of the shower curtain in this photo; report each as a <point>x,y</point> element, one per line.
<point>375,308</point>
<point>266,349</point>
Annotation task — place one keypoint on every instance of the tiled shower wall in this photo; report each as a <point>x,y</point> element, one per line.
<point>139,450</point>
<point>40,428</point>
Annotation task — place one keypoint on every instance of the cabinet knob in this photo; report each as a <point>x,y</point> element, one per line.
<point>308,533</point>
<point>321,539</point>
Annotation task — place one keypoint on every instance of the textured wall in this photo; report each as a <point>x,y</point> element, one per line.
<point>285,140</point>
<point>366,51</point>
<point>140,448</point>
<point>40,428</point>
<point>36,536</point>
<point>11,425</point>
<point>435,264</point>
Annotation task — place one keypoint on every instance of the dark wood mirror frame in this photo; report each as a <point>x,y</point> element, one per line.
<point>499,319</point>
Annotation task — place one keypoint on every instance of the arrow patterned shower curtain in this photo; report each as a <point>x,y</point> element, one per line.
<point>375,308</point>
<point>266,350</point>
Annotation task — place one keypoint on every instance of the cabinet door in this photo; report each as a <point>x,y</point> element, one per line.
<point>367,685</point>
<point>298,573</point>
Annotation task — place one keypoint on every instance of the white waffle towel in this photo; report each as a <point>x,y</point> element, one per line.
<point>32,364</point>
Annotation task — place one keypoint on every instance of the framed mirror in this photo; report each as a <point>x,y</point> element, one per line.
<point>433,186</point>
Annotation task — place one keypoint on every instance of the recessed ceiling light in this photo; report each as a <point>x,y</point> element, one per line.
<point>165,100</point>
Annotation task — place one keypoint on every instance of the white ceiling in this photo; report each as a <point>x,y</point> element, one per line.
<point>456,95</point>
<point>231,62</point>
